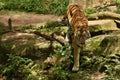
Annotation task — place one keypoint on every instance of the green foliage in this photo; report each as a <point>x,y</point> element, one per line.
<point>61,71</point>
<point>65,50</point>
<point>55,24</point>
<point>118,10</point>
<point>29,27</point>
<point>90,10</point>
<point>25,5</point>
<point>19,68</point>
<point>118,3</point>
<point>95,28</point>
<point>107,64</point>
<point>118,6</point>
<point>60,74</point>
<point>95,44</point>
<point>50,27</point>
<point>38,6</point>
<point>2,5</point>
<point>58,6</point>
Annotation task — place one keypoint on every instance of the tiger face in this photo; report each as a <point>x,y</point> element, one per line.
<point>79,26</point>
<point>81,34</point>
<point>80,39</point>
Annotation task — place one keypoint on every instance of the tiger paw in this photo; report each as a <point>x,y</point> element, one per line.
<point>66,40</point>
<point>75,69</point>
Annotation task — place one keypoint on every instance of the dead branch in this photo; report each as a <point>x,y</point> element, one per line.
<point>10,24</point>
<point>49,37</point>
<point>104,15</point>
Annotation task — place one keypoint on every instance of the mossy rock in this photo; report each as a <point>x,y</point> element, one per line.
<point>102,25</point>
<point>25,44</point>
<point>109,45</point>
<point>101,42</point>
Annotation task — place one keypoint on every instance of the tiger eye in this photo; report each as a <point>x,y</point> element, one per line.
<point>78,27</point>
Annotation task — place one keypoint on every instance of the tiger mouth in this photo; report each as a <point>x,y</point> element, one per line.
<point>80,43</point>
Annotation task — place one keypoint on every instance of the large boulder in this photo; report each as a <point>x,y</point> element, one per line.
<point>105,44</point>
<point>26,45</point>
<point>102,25</point>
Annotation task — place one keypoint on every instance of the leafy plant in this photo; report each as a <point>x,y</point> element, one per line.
<point>61,71</point>
<point>65,50</point>
<point>2,5</point>
<point>58,6</point>
<point>25,5</point>
<point>90,10</point>
<point>60,74</point>
<point>19,68</point>
<point>38,6</point>
<point>118,6</point>
<point>28,27</point>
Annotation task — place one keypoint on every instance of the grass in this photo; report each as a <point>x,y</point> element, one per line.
<point>38,6</point>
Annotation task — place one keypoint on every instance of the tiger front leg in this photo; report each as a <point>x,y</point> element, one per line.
<point>69,36</point>
<point>76,56</point>
<point>66,38</point>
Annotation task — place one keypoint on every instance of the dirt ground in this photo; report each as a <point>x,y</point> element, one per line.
<point>27,18</point>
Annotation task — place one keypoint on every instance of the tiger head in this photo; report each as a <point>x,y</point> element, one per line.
<point>81,33</point>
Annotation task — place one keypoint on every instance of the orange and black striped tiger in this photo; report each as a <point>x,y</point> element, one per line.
<point>78,30</point>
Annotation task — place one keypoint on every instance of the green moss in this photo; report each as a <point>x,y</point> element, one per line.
<point>90,10</point>
<point>95,28</point>
<point>95,43</point>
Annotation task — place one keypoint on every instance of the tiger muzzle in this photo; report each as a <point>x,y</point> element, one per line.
<point>80,39</point>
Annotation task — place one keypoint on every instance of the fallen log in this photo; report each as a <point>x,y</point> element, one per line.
<point>104,15</point>
<point>117,23</point>
<point>49,37</point>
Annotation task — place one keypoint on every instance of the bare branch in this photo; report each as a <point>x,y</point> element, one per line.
<point>50,37</point>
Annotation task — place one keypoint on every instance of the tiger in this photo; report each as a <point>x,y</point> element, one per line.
<point>78,31</point>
